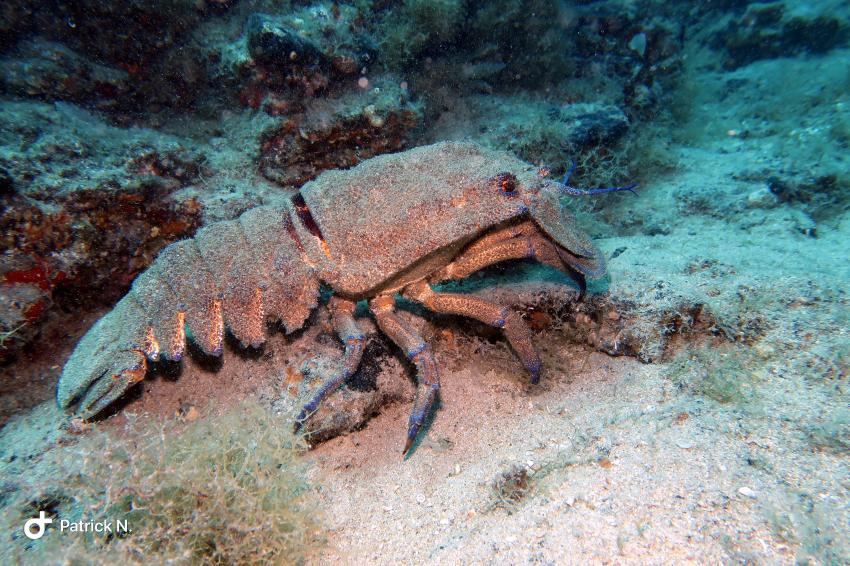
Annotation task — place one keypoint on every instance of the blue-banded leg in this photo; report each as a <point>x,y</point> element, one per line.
<point>513,327</point>
<point>346,328</point>
<point>427,376</point>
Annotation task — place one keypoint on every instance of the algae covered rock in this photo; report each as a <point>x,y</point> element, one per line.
<point>538,131</point>
<point>86,206</point>
<point>331,38</point>
<point>416,26</point>
<point>273,44</point>
<point>134,32</point>
<point>279,60</point>
<point>21,304</point>
<point>338,133</point>
<point>49,70</point>
<point>782,29</point>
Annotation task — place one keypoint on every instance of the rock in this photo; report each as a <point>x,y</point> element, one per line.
<point>638,44</point>
<point>15,19</point>
<point>778,29</point>
<point>762,198</point>
<point>821,197</point>
<point>748,492</point>
<point>549,42</point>
<point>353,405</point>
<point>281,61</point>
<point>539,132</point>
<point>412,27</point>
<point>533,49</point>
<point>273,44</point>
<point>143,40</point>
<point>591,124</point>
<point>133,34</point>
<point>338,133</point>
<point>333,39</point>
<point>48,70</point>
<point>92,205</point>
<point>21,306</point>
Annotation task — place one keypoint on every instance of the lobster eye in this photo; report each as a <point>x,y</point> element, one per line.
<point>506,183</point>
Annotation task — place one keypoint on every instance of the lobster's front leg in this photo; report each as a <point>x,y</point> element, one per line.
<point>517,242</point>
<point>511,323</point>
<point>427,377</point>
<point>342,317</point>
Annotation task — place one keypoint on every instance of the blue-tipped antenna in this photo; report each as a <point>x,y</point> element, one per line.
<point>577,192</point>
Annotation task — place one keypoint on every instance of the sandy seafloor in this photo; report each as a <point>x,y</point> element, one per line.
<point>627,461</point>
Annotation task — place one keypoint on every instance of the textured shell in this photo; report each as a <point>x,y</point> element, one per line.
<point>390,212</point>
<point>237,273</point>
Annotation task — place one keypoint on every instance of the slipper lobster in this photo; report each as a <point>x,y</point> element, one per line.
<point>393,225</point>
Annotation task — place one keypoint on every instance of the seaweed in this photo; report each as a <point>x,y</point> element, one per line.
<point>510,488</point>
<point>223,490</point>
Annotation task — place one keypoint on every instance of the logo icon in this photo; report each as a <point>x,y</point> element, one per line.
<point>34,528</point>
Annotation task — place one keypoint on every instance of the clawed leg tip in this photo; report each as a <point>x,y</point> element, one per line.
<point>412,433</point>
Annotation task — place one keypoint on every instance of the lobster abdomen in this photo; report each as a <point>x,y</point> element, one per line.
<point>235,274</point>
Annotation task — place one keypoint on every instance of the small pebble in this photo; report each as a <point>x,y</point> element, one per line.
<point>762,198</point>
<point>747,492</point>
<point>685,444</point>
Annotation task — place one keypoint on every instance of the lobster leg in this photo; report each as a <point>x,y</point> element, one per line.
<point>515,242</point>
<point>525,228</point>
<point>512,325</point>
<point>427,377</point>
<point>342,314</point>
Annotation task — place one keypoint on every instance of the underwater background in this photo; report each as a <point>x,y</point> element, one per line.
<point>693,406</point>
